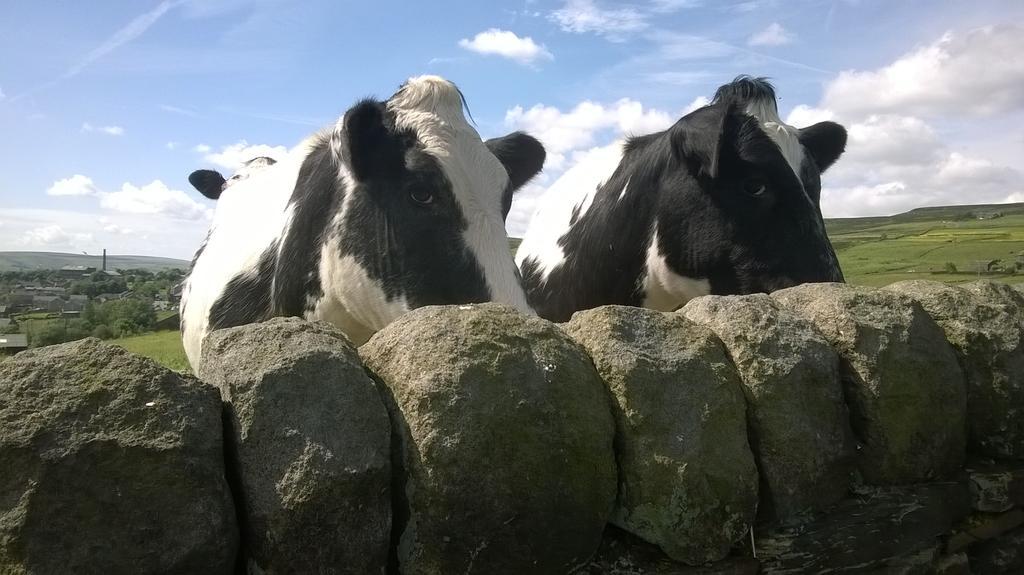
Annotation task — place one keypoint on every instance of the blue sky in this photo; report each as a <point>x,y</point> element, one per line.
<point>107,106</point>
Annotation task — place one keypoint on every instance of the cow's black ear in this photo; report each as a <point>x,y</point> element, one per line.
<point>371,148</point>
<point>825,141</point>
<point>208,182</point>
<point>523,157</point>
<point>700,136</point>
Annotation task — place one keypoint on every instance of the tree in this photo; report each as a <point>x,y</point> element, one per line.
<point>950,268</point>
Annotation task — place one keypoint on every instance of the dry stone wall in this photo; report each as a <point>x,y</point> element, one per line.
<point>825,428</point>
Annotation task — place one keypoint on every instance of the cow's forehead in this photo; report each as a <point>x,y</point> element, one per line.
<point>433,109</point>
<point>786,137</point>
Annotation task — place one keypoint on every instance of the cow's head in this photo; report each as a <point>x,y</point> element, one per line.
<point>211,183</point>
<point>745,212</point>
<point>425,199</point>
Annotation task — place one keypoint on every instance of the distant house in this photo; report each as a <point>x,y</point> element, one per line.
<point>6,322</point>
<point>48,303</point>
<point>20,298</point>
<point>76,302</point>
<point>171,322</point>
<point>13,343</point>
<point>112,273</point>
<point>76,271</point>
<point>50,290</point>
<point>4,311</point>
<point>105,297</point>
<point>161,305</point>
<point>174,294</point>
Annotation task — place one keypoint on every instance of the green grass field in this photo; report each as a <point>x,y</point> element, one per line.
<point>164,347</point>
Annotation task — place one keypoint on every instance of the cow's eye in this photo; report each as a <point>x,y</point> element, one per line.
<point>421,196</point>
<point>755,187</point>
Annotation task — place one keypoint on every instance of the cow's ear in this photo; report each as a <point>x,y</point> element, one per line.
<point>208,182</point>
<point>825,141</point>
<point>523,157</point>
<point>370,147</point>
<point>700,137</point>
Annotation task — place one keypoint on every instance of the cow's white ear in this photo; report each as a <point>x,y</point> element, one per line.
<point>371,149</point>
<point>700,136</point>
<point>825,141</point>
<point>208,182</point>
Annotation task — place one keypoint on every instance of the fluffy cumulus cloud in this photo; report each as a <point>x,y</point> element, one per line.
<point>773,35</point>
<point>76,185</point>
<point>579,128</point>
<point>108,130</point>
<point>231,157</point>
<point>905,122</point>
<point>507,45</point>
<point>586,16</point>
<point>154,198</point>
<point>966,73</point>
<point>54,236</point>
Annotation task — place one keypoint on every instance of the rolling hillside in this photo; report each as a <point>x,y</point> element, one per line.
<point>25,261</point>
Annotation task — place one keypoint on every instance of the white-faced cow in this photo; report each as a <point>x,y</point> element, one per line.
<point>725,202</point>
<point>398,205</point>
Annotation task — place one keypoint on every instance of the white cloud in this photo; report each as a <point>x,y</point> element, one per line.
<point>155,198</point>
<point>76,185</point>
<point>582,16</point>
<point>179,111</point>
<point>663,6</point>
<point>698,102</point>
<point>975,73</point>
<point>773,35</point>
<point>202,148</point>
<point>892,140</point>
<point>507,45</point>
<point>803,115</point>
<point>562,132</point>
<point>231,157</point>
<point>171,145</point>
<point>91,231</point>
<point>2,95</point>
<point>108,130</point>
<point>54,236</point>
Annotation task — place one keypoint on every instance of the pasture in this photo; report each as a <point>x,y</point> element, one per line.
<point>164,347</point>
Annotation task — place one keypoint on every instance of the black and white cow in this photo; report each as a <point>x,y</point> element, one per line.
<point>398,205</point>
<point>723,202</point>
<point>212,184</point>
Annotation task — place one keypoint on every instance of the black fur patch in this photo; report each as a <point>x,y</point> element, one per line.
<point>316,198</point>
<point>246,299</point>
<point>725,203</point>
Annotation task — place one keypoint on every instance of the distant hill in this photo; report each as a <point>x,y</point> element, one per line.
<point>25,261</point>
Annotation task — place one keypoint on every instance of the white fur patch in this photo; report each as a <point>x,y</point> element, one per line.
<point>250,215</point>
<point>353,301</point>
<point>551,220</point>
<point>664,289</point>
<point>432,107</point>
<point>786,137</point>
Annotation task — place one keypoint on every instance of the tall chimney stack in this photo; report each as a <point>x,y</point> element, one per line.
<point>104,259</point>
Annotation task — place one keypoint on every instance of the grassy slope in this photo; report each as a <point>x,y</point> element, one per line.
<point>25,261</point>
<point>164,347</point>
<point>918,244</point>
